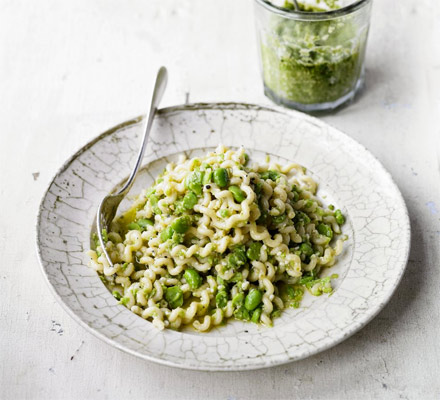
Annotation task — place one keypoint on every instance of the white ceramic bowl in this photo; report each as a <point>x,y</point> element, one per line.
<point>369,269</point>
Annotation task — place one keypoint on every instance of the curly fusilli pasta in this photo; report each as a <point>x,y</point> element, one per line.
<point>214,238</point>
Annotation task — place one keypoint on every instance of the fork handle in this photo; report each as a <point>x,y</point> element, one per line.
<point>159,89</point>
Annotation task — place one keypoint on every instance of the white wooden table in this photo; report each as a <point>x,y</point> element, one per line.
<point>70,69</point>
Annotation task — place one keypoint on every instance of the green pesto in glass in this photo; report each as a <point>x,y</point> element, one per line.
<point>311,62</point>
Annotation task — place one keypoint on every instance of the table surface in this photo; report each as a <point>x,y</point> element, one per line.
<point>71,69</point>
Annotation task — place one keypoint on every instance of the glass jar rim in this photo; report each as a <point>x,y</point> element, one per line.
<point>293,14</point>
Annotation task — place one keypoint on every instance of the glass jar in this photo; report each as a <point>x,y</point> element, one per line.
<point>312,61</point>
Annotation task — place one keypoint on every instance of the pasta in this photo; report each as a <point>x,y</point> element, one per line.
<point>214,239</point>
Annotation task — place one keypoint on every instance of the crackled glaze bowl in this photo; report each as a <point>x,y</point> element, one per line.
<point>369,269</point>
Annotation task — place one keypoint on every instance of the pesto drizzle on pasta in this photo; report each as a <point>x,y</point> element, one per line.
<point>214,238</point>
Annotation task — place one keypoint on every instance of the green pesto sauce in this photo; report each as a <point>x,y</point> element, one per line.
<point>331,4</point>
<point>311,62</point>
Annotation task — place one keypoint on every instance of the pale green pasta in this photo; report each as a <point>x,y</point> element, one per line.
<point>215,238</point>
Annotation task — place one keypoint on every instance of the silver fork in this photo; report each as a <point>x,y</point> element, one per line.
<point>109,205</point>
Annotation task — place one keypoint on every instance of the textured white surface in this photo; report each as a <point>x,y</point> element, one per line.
<point>69,70</point>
